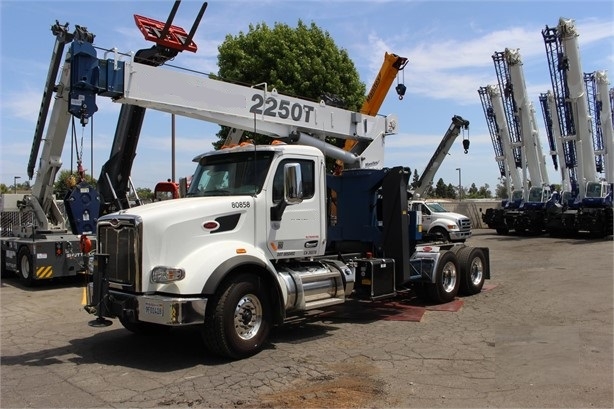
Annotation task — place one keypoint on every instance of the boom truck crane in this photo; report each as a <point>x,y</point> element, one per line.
<point>46,248</point>
<point>436,220</point>
<point>580,213</point>
<point>520,117</point>
<point>506,157</point>
<point>255,242</point>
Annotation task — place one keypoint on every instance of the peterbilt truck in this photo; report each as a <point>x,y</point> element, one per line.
<point>265,232</point>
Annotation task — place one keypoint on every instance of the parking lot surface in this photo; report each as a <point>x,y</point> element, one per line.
<point>540,335</point>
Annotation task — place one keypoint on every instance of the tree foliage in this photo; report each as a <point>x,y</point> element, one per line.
<point>66,180</point>
<point>303,62</point>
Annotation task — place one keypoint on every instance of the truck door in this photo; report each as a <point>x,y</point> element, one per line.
<point>299,233</point>
<point>426,215</point>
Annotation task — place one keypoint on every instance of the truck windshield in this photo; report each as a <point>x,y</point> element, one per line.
<point>241,173</point>
<point>436,208</point>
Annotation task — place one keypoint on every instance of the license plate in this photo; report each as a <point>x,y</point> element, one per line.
<point>154,309</point>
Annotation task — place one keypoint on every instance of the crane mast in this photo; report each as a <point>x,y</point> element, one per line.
<point>553,129</point>
<point>594,113</point>
<point>526,118</point>
<point>569,91</point>
<point>68,100</point>
<point>492,105</point>
<point>601,111</point>
<point>505,90</point>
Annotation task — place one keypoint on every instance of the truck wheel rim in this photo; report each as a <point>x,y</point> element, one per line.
<point>477,270</point>
<point>449,277</point>
<point>248,316</point>
<point>25,267</point>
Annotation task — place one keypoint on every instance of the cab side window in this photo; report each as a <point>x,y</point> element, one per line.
<point>308,173</point>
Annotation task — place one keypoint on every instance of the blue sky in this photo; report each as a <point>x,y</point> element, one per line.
<point>449,45</point>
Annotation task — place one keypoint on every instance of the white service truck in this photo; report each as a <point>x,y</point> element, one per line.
<point>437,221</point>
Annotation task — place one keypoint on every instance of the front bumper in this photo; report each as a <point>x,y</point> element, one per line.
<point>156,309</point>
<point>459,235</point>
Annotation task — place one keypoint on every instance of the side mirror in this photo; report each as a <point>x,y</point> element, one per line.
<point>293,190</point>
<point>183,187</point>
<point>293,183</point>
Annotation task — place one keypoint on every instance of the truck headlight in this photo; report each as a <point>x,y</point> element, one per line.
<point>162,274</point>
<point>452,227</point>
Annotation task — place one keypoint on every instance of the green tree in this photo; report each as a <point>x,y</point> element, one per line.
<point>144,193</point>
<point>303,62</point>
<point>65,181</point>
<point>472,192</point>
<point>501,190</point>
<point>440,189</point>
<point>4,188</point>
<point>415,179</point>
<point>484,192</point>
<point>451,191</point>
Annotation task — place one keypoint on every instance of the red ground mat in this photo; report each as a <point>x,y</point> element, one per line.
<point>404,307</point>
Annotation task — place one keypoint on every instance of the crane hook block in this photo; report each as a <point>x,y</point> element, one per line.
<point>466,145</point>
<point>401,88</point>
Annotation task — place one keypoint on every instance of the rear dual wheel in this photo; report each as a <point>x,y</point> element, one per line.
<point>473,268</point>
<point>447,279</point>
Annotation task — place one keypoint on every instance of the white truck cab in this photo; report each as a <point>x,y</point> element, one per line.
<point>436,219</point>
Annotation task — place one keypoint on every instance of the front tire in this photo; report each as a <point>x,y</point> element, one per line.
<point>473,268</point>
<point>439,231</point>
<point>447,279</point>
<point>24,259</point>
<point>239,321</point>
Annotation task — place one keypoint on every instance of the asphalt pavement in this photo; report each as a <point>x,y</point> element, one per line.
<point>540,335</point>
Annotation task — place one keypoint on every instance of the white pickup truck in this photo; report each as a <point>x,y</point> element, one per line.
<point>437,220</point>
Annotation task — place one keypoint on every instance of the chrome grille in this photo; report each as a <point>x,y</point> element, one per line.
<point>465,224</point>
<point>122,243</point>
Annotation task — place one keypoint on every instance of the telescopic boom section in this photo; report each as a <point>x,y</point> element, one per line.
<point>458,124</point>
<point>493,129</point>
<point>498,111</point>
<point>572,104</point>
<point>548,122</point>
<point>375,98</point>
<point>525,116</point>
<point>605,115</point>
<point>63,37</point>
<point>507,97</point>
<point>594,112</point>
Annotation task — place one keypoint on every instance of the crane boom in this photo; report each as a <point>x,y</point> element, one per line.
<point>238,106</point>
<point>594,111</point>
<point>375,98</point>
<point>494,94</point>
<point>493,129</point>
<point>426,179</point>
<point>553,129</point>
<point>548,122</point>
<point>572,104</point>
<point>605,123</point>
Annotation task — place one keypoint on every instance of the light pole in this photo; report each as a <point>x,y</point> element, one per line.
<point>15,182</point>
<point>460,186</point>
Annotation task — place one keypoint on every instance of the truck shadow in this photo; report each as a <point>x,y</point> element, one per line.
<point>177,349</point>
<point>11,279</point>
